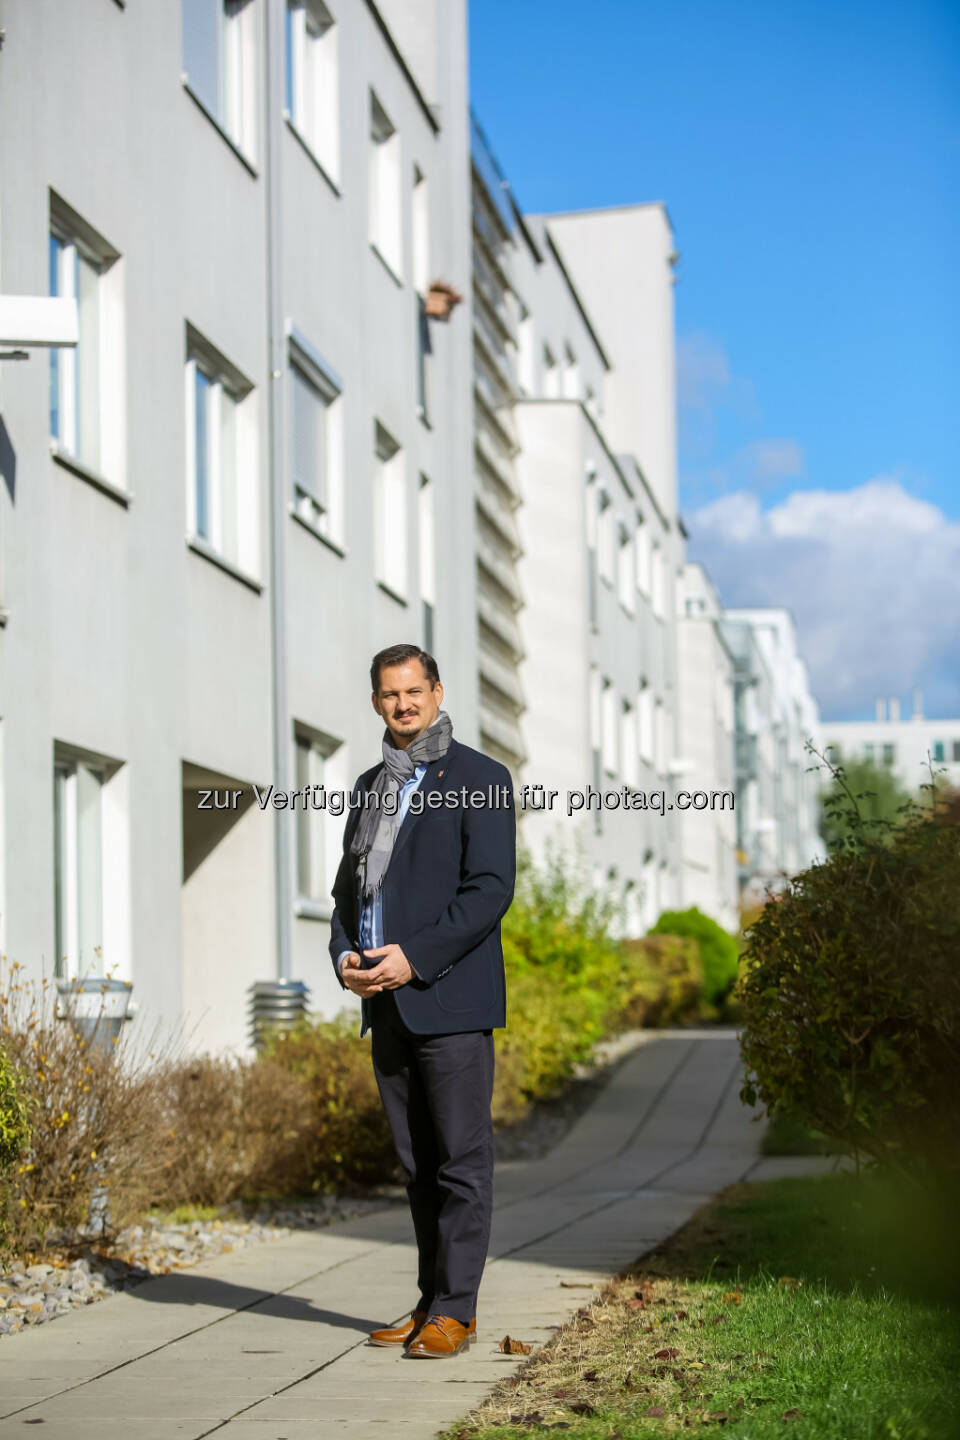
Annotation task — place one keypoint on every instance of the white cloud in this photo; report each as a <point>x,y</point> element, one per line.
<point>706,380</point>
<point>870,575</point>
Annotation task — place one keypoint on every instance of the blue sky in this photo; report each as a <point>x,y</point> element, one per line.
<point>809,156</point>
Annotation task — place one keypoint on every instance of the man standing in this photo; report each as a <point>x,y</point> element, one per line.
<point>428,869</point>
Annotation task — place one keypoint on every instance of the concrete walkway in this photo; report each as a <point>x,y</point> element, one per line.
<point>270,1342</point>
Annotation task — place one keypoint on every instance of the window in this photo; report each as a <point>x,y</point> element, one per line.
<point>551,374</point>
<point>89,839</point>
<point>643,557</point>
<point>626,583</point>
<point>312,80</point>
<point>889,754</point>
<point>608,727</point>
<point>525,337</point>
<point>221,458</point>
<point>645,722</point>
<point>420,212</point>
<point>939,752</point>
<point>320,761</point>
<point>428,560</point>
<point>571,375</point>
<point>316,442</point>
<point>628,744</point>
<point>606,560</point>
<point>219,62</point>
<point>390,514</point>
<point>869,751</point>
<point>87,394</point>
<point>384,197</point>
<point>660,737</point>
<point>657,581</point>
<point>956,750</point>
<point>424,354</point>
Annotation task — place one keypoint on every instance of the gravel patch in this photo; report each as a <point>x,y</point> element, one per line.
<point>81,1272</point>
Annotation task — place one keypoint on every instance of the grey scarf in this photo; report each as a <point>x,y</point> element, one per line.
<point>376,833</point>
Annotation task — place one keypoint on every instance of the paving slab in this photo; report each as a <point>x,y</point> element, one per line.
<point>271,1342</point>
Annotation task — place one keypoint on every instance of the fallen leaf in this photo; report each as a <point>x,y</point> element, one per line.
<point>562,1394</point>
<point>628,1380</point>
<point>669,1353</point>
<point>719,1320</point>
<point>634,1304</point>
<point>732,1297</point>
<point>788,1282</point>
<point>791,1415</point>
<point>682,1315</point>
<point>582,1407</point>
<point>591,1375</point>
<point>578,1285</point>
<point>509,1346</point>
<point>656,1412</point>
<point>720,1416</point>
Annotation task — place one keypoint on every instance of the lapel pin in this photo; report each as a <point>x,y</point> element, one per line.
<point>439,774</point>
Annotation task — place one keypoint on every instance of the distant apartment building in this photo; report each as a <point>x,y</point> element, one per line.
<point>777,783</point>
<point>708,748</point>
<point>911,748</point>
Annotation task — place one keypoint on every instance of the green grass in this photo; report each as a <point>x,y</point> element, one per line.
<point>186,1214</point>
<point>815,1309</point>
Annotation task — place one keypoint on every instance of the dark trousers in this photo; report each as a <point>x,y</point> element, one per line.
<point>436,1090</point>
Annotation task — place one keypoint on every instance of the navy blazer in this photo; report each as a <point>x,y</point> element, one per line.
<point>448,885</point>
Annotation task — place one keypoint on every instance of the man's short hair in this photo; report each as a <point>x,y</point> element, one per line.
<point>399,655</point>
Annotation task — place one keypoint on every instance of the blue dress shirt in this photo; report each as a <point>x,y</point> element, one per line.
<point>371,915</point>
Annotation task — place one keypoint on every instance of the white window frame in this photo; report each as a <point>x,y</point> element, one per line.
<point>645,725</point>
<point>319,759</point>
<point>606,543</point>
<point>232,525</point>
<point>320,506</point>
<point>643,557</point>
<point>626,569</point>
<point>551,375</point>
<point>571,374</point>
<point>91,864</point>
<point>608,726</point>
<point>234,105</point>
<point>427,536</point>
<point>384,188</point>
<point>82,266</point>
<point>629,747</point>
<point>390,513</point>
<point>312,81</point>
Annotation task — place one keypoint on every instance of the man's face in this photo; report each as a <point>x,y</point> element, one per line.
<point>405,701</point>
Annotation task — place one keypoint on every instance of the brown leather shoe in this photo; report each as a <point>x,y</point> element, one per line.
<point>399,1334</point>
<point>441,1337</point>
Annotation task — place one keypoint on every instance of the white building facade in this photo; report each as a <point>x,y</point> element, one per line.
<point>778,785</point>
<point>238,486</point>
<point>910,748</point>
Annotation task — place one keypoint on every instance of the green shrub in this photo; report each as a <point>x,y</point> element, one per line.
<point>570,983</point>
<point>14,1112</point>
<point>348,1141</point>
<point>851,996</point>
<point>718,949</point>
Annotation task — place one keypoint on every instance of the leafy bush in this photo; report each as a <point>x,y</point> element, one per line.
<point>851,995</point>
<point>570,983</point>
<point>347,1141</point>
<point>92,1120</point>
<point>880,798</point>
<point>718,949</point>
